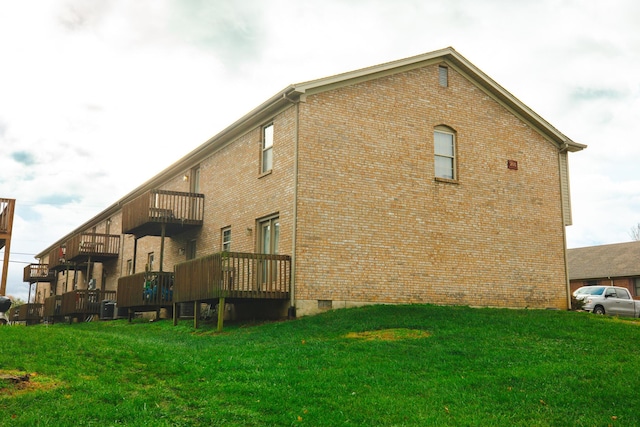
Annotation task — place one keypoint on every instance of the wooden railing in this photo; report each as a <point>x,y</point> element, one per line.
<point>38,273</point>
<point>151,289</point>
<point>95,245</point>
<point>84,302</point>
<point>7,207</point>
<point>173,208</point>
<point>30,312</point>
<point>233,275</point>
<point>58,258</point>
<point>53,306</point>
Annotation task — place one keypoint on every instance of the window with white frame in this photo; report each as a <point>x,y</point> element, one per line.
<point>445,152</point>
<point>226,239</point>
<point>267,148</point>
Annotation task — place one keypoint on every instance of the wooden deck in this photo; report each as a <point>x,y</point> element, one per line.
<point>82,303</point>
<point>95,246</point>
<point>53,308</point>
<point>233,275</point>
<point>7,207</point>
<point>174,211</point>
<point>149,291</point>
<point>29,313</point>
<point>38,273</point>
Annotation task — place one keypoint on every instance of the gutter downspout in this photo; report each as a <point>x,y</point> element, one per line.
<point>292,293</point>
<point>563,149</point>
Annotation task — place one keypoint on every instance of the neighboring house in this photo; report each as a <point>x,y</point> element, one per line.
<point>416,181</point>
<point>612,265</point>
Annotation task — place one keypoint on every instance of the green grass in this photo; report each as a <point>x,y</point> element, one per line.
<point>384,365</point>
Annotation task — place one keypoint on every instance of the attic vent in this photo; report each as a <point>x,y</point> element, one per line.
<point>443,76</point>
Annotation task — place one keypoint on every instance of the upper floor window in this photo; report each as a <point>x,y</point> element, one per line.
<point>226,239</point>
<point>443,76</point>
<point>445,152</point>
<point>194,184</point>
<point>267,148</point>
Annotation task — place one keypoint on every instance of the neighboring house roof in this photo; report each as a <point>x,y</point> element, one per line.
<point>605,261</point>
<point>299,91</point>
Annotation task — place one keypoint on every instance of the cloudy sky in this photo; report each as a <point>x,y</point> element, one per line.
<point>98,96</point>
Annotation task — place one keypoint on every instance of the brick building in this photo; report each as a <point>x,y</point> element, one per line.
<point>615,264</point>
<point>416,181</point>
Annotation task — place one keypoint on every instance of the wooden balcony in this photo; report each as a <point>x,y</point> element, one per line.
<point>82,302</point>
<point>176,211</point>
<point>148,291</point>
<point>7,208</point>
<point>53,307</point>
<point>98,247</point>
<point>38,273</point>
<point>233,275</point>
<point>58,260</point>
<point>29,313</point>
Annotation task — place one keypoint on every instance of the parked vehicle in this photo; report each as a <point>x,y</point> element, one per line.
<point>5,305</point>
<point>611,300</point>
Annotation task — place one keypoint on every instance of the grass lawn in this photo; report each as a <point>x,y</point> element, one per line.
<point>381,365</point>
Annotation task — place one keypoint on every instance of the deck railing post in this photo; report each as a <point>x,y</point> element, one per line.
<point>220,313</point>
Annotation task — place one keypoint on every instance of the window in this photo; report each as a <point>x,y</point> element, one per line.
<point>129,267</point>
<point>194,185</point>
<point>150,259</point>
<point>445,149</point>
<point>637,286</point>
<point>226,239</point>
<point>443,76</point>
<point>191,249</point>
<point>267,148</point>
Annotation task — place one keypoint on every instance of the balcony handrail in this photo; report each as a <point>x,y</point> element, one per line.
<point>151,289</point>
<point>28,311</point>
<point>7,207</point>
<point>93,244</point>
<point>234,275</point>
<point>53,306</point>
<point>35,272</point>
<point>163,206</point>
<point>84,301</point>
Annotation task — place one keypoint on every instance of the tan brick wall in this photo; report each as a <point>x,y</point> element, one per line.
<point>375,226</point>
<point>236,196</point>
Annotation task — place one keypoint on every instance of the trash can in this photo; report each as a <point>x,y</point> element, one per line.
<point>5,304</point>
<point>107,309</point>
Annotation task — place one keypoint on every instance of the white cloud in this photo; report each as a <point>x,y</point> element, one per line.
<point>92,89</point>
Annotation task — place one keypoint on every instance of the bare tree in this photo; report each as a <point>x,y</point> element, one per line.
<point>635,232</point>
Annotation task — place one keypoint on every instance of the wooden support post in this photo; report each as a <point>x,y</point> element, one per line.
<point>175,314</point>
<point>163,228</point>
<point>196,314</point>
<point>220,313</point>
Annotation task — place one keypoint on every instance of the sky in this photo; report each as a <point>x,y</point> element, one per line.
<point>96,97</point>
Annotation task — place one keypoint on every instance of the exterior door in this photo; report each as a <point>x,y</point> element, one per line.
<point>269,239</point>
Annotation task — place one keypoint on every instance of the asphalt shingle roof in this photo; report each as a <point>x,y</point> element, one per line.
<point>596,262</point>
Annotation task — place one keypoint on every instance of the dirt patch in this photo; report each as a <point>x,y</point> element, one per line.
<point>389,335</point>
<point>17,382</point>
